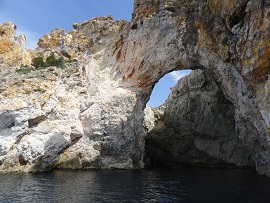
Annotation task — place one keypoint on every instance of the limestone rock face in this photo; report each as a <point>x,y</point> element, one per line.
<point>105,93</point>
<point>35,128</point>
<point>28,149</point>
<point>86,115</point>
<point>262,93</point>
<point>12,50</point>
<point>196,127</point>
<point>87,38</point>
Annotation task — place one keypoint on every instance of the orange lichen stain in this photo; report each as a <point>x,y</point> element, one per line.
<point>204,40</point>
<point>10,93</point>
<point>26,88</point>
<point>261,56</point>
<point>118,55</point>
<point>148,12</point>
<point>118,44</point>
<point>259,74</point>
<point>263,22</point>
<point>141,65</point>
<point>216,5</point>
<point>144,82</point>
<point>127,77</point>
<point>46,97</point>
<point>131,74</point>
<point>4,46</point>
<point>54,42</point>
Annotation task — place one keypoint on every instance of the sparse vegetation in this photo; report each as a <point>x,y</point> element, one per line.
<point>24,69</point>
<point>53,61</point>
<point>38,62</point>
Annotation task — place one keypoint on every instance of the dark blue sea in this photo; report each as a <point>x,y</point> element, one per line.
<point>162,184</point>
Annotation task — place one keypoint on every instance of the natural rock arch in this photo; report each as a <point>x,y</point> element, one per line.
<point>192,34</point>
<point>103,113</point>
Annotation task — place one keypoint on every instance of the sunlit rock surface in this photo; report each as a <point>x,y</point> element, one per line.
<point>12,50</point>
<point>95,107</point>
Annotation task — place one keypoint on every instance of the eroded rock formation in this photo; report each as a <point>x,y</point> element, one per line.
<point>95,108</point>
<point>195,126</point>
<point>12,50</point>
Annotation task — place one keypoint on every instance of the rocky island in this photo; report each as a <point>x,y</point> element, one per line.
<point>78,101</point>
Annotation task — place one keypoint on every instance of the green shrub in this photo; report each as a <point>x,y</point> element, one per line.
<point>38,62</point>
<point>61,63</point>
<point>40,68</point>
<point>52,61</point>
<point>24,69</point>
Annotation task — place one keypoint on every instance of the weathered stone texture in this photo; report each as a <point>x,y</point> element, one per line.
<point>120,62</point>
<point>12,50</point>
<point>196,127</point>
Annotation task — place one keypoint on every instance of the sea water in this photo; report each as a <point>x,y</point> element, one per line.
<point>162,184</point>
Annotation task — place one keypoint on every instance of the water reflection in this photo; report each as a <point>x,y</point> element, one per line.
<point>155,185</point>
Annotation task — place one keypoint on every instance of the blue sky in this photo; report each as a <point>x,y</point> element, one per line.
<point>35,18</point>
<point>162,88</point>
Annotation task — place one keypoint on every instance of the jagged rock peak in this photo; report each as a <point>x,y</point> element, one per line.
<point>101,26</point>
<point>12,48</point>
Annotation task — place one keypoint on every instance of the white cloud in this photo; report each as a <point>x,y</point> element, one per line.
<point>176,75</point>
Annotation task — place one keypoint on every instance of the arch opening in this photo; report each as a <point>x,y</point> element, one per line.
<point>161,90</point>
<point>195,126</point>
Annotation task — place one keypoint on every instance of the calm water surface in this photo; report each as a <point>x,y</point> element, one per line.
<point>149,185</point>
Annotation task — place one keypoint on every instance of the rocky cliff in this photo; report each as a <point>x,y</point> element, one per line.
<point>12,50</point>
<point>195,126</point>
<point>90,113</point>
